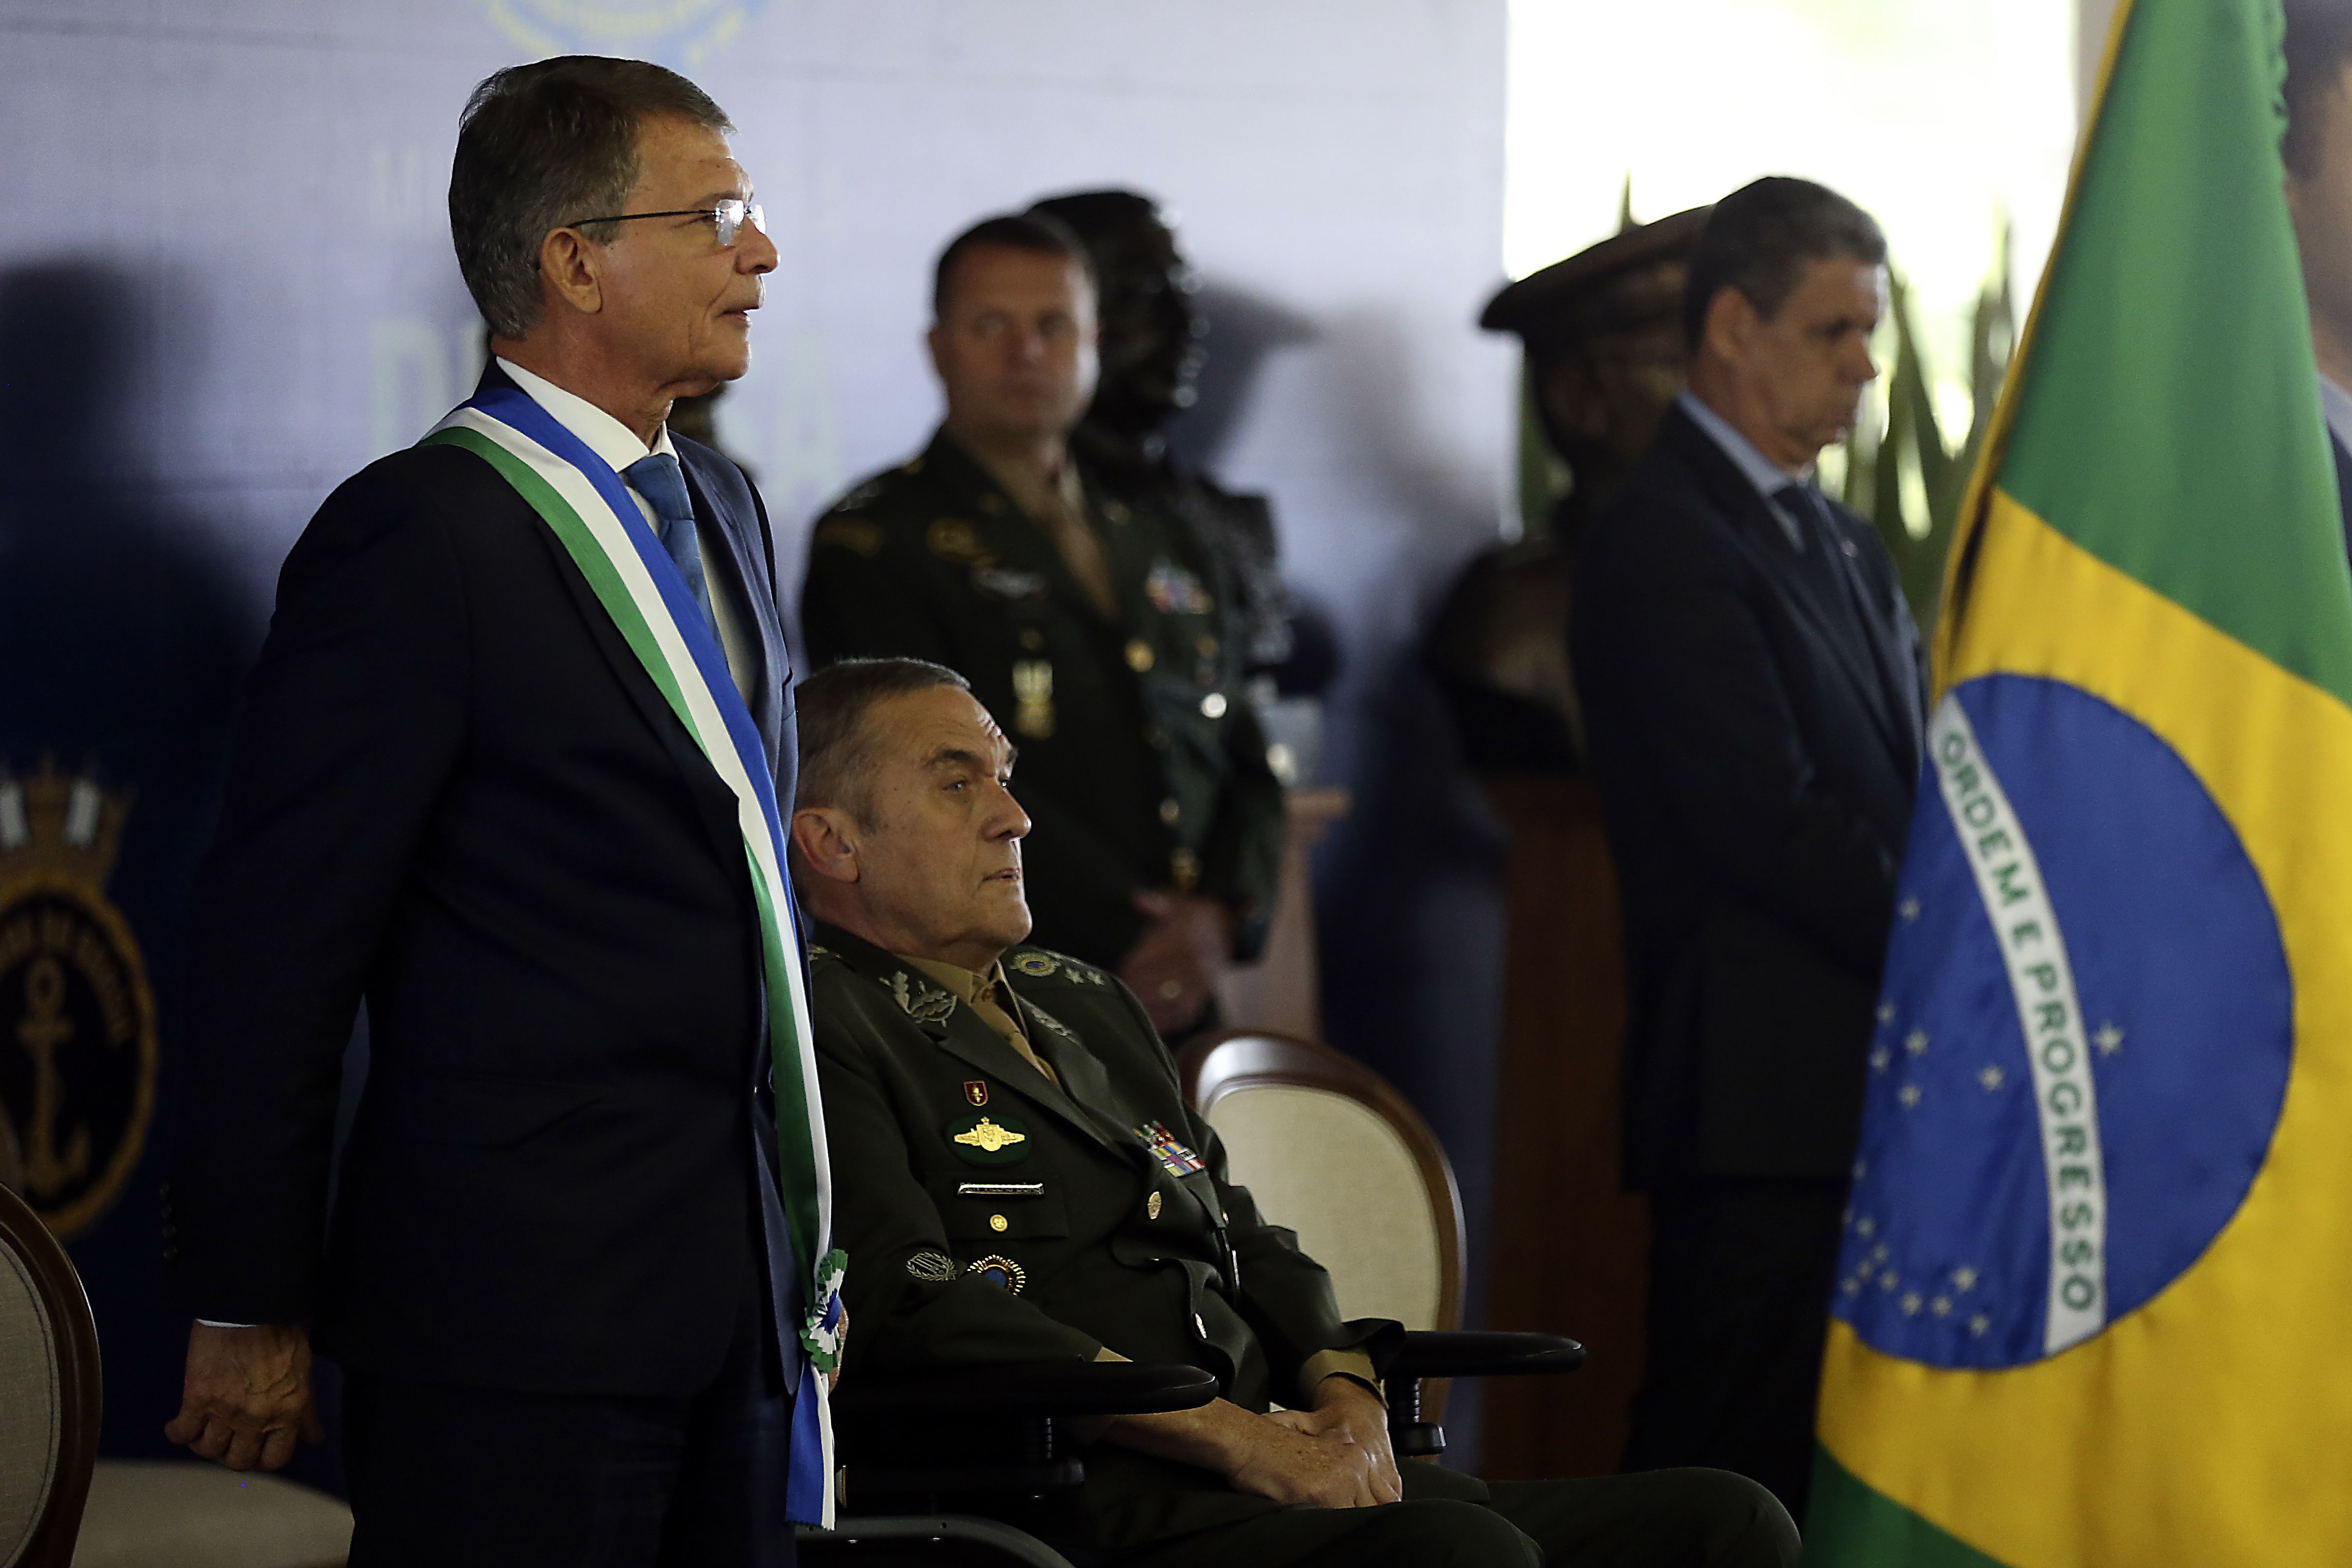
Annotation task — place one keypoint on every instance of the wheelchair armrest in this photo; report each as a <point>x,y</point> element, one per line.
<point>1014,1390</point>
<point>1468,1353</point>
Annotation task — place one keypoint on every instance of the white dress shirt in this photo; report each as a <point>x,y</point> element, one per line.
<point>1761,471</point>
<point>619,446</point>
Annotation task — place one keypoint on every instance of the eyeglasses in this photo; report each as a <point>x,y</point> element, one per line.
<point>729,216</point>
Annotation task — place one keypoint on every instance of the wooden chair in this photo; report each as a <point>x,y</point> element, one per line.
<point>1330,1150</point>
<point>50,1392</point>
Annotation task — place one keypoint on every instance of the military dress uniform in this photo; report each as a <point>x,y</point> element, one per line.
<point>1142,763</point>
<point>1018,1177</point>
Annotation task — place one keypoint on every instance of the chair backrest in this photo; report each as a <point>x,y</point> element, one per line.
<point>12,1159</point>
<point>50,1392</point>
<point>1329,1149</point>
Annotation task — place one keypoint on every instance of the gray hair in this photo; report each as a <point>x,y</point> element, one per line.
<point>836,750</point>
<point>543,145</point>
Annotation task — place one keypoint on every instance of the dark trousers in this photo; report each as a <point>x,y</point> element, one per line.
<point>1665,1519</point>
<point>1739,1290</point>
<point>444,1477</point>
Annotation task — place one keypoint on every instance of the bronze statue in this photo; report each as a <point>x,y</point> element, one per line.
<point>1605,358</point>
<point>1152,354</point>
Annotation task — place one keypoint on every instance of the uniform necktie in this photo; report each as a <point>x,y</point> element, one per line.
<point>662,482</point>
<point>1079,544</point>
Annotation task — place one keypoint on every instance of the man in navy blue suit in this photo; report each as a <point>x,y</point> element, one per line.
<point>559,1272</point>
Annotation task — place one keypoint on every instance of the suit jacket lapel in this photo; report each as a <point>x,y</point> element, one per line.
<point>749,558</point>
<point>1088,1086</point>
<point>1758,534</point>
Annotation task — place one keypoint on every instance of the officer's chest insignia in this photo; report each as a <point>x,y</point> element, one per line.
<point>1007,583</point>
<point>989,1141</point>
<point>1173,591</point>
<point>848,533</point>
<point>932,1267</point>
<point>922,1003</point>
<point>954,539</point>
<point>975,1091</point>
<point>1002,1272</point>
<point>1174,1157</point>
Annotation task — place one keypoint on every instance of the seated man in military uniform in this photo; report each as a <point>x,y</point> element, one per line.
<point>1017,1177</point>
<point>1108,633</point>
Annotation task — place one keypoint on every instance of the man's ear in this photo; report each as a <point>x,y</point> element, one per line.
<point>825,837</point>
<point>936,342</point>
<point>1730,324</point>
<point>570,272</point>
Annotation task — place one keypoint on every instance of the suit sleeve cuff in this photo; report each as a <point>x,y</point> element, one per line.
<point>1353,1364</point>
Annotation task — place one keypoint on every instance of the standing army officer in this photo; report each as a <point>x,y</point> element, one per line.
<point>1030,1184</point>
<point>1105,631</point>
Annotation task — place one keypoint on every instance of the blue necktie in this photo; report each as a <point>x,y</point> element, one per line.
<point>661,482</point>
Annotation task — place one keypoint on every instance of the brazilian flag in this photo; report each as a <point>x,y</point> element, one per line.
<point>2095,1304</point>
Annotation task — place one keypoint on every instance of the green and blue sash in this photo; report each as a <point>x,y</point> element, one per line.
<point>586,506</point>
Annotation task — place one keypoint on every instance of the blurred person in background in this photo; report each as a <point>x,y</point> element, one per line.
<point>1107,635</point>
<point>1753,693</point>
<point>2318,150</point>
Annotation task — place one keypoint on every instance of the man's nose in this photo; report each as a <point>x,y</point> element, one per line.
<point>1009,821</point>
<point>754,251</point>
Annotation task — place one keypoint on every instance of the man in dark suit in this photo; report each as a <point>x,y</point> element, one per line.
<point>1031,1186</point>
<point>559,1273</point>
<point>1753,691</point>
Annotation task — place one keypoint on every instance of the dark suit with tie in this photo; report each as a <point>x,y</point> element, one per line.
<point>458,795</point>
<point>1754,704</point>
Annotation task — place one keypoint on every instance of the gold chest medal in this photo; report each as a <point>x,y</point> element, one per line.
<point>988,1141</point>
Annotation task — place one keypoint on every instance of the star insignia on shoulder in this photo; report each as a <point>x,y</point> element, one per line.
<point>2109,1040</point>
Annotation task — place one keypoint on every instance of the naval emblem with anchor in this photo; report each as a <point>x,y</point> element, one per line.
<point>77,1020</point>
